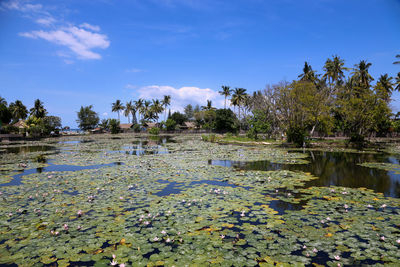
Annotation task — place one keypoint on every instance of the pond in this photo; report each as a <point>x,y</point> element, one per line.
<point>335,169</point>
<point>176,200</point>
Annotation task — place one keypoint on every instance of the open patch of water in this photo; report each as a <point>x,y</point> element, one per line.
<point>335,169</point>
<point>26,149</point>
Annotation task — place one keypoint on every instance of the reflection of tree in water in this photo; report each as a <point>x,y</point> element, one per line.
<point>339,169</point>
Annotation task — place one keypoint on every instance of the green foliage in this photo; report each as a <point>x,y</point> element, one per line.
<point>9,129</point>
<point>170,124</point>
<point>189,113</point>
<point>87,118</point>
<point>105,124</point>
<point>396,126</point>
<point>18,110</point>
<point>41,159</point>
<point>154,131</point>
<point>297,135</point>
<point>51,123</point>
<point>137,128</point>
<point>38,109</point>
<point>114,126</point>
<point>258,123</point>
<point>5,114</point>
<point>178,117</point>
<point>225,121</point>
<point>210,138</point>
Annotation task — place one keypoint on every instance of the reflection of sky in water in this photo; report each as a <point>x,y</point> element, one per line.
<point>335,168</point>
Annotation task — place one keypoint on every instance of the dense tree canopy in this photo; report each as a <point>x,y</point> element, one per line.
<point>87,118</point>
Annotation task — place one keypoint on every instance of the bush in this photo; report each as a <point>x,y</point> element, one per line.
<point>179,118</point>
<point>154,131</point>
<point>10,129</point>
<point>137,128</point>
<point>225,121</point>
<point>210,138</point>
<point>297,135</point>
<point>114,126</point>
<point>170,124</point>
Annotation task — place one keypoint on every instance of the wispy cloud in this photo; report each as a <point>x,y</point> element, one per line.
<point>88,26</point>
<point>180,97</point>
<point>130,86</point>
<point>80,40</point>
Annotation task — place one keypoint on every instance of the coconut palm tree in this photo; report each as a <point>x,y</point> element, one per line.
<point>308,74</point>
<point>208,106</point>
<point>165,103</point>
<point>18,110</point>
<point>3,101</point>
<point>397,62</point>
<point>117,107</point>
<point>361,74</point>
<point>386,83</point>
<point>226,91</point>
<point>238,98</point>
<point>397,82</point>
<point>146,111</point>
<point>129,108</point>
<point>334,70</point>
<point>38,109</point>
<point>139,106</point>
<point>157,108</point>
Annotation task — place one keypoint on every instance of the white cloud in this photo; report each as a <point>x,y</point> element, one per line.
<point>47,21</point>
<point>78,40</point>
<point>105,114</point>
<point>21,6</point>
<point>88,26</point>
<point>182,96</point>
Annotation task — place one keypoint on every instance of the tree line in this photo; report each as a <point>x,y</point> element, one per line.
<point>37,120</point>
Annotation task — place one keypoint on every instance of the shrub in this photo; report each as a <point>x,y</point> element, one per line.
<point>114,126</point>
<point>225,121</point>
<point>297,135</point>
<point>137,128</point>
<point>170,124</point>
<point>154,131</point>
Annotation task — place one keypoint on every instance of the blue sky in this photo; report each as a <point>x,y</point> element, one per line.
<point>86,52</point>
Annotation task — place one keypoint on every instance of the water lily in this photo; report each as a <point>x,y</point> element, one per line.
<point>79,227</point>
<point>222,236</point>
<point>304,246</point>
<point>168,240</point>
<point>337,257</point>
<point>345,206</point>
<point>65,227</point>
<point>155,239</point>
<point>382,238</point>
<point>383,206</point>
<point>122,265</point>
<point>163,232</point>
<point>315,250</point>
<point>79,213</point>
<point>121,198</point>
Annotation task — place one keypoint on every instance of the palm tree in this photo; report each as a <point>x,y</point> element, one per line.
<point>18,110</point>
<point>208,106</point>
<point>146,110</point>
<point>397,62</point>
<point>38,109</point>
<point>334,70</point>
<point>139,106</point>
<point>308,74</point>
<point>129,108</point>
<point>157,108</point>
<point>386,83</point>
<point>226,91</point>
<point>3,101</point>
<point>165,103</point>
<point>238,98</point>
<point>117,107</point>
<point>397,82</point>
<point>361,75</point>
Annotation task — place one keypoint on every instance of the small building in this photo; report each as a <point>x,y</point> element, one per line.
<point>20,124</point>
<point>188,125</point>
<point>125,127</point>
<point>150,125</point>
<point>97,130</point>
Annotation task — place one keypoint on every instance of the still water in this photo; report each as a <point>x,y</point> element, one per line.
<point>336,169</point>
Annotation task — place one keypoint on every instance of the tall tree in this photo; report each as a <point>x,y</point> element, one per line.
<point>87,118</point>
<point>238,98</point>
<point>157,108</point>
<point>3,101</point>
<point>308,74</point>
<point>129,108</point>
<point>208,106</point>
<point>139,107</point>
<point>38,109</point>
<point>386,83</point>
<point>334,70</point>
<point>165,103</point>
<point>146,111</point>
<point>397,82</point>
<point>18,110</point>
<point>361,74</point>
<point>117,107</point>
<point>189,113</point>
<point>226,91</point>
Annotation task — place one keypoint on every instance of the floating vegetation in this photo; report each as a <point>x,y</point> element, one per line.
<point>164,209</point>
